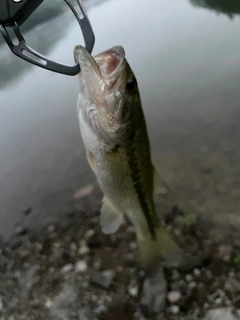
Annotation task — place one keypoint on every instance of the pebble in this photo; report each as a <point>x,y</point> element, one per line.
<point>20,230</point>
<point>154,291</point>
<point>103,279</point>
<point>133,291</point>
<point>86,314</point>
<point>192,285</point>
<point>84,249</point>
<point>67,268</point>
<point>48,303</point>
<point>133,245</point>
<point>232,285</point>
<point>174,296</point>
<point>89,234</point>
<point>222,314</point>
<point>51,228</point>
<point>174,309</point>
<point>81,266</point>
<point>189,277</point>
<point>196,272</point>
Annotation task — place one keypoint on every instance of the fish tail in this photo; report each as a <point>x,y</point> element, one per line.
<point>162,250</point>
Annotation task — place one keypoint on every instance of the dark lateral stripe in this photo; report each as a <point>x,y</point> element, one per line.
<point>136,178</point>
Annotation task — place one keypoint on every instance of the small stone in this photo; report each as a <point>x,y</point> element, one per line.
<point>222,314</point>
<point>86,314</point>
<point>232,284</point>
<point>48,303</point>
<point>225,250</point>
<point>196,272</point>
<point>189,277</point>
<point>174,296</point>
<point>192,285</point>
<point>174,309</point>
<point>67,268</point>
<point>218,300</point>
<point>84,192</point>
<point>51,228</point>
<point>81,266</point>
<point>97,265</point>
<point>133,245</point>
<point>103,279</point>
<point>61,307</point>
<point>133,291</point>
<point>89,234</point>
<point>73,247</point>
<point>99,309</point>
<point>20,230</point>
<point>154,293</point>
<point>28,280</point>
<point>84,249</point>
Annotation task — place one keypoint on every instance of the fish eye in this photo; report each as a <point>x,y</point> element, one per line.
<point>131,84</point>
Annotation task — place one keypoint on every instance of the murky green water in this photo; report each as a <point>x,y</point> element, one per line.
<point>187,61</point>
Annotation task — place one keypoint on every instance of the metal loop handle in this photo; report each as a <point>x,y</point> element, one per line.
<point>22,48</point>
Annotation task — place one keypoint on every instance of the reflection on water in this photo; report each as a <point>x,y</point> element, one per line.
<point>187,64</point>
<point>231,8</point>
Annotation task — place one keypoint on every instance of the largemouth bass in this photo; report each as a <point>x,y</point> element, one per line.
<point>114,132</point>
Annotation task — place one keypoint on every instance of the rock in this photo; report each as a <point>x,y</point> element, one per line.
<point>189,277</point>
<point>84,249</point>
<point>196,272</point>
<point>174,309</point>
<point>103,279</point>
<point>86,314</point>
<point>20,230</point>
<point>1,303</point>
<point>122,310</point>
<point>133,291</point>
<point>67,268</point>
<point>28,280</point>
<point>84,192</point>
<point>232,285</point>
<point>48,303</point>
<point>62,303</point>
<point>224,250</point>
<point>51,228</point>
<point>89,234</point>
<point>222,314</point>
<point>174,296</point>
<point>81,266</point>
<point>154,293</point>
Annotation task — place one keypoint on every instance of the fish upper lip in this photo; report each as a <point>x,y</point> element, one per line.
<point>102,72</point>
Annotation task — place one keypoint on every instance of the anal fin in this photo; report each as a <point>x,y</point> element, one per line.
<point>110,218</point>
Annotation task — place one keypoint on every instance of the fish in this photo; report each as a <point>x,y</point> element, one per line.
<point>114,133</point>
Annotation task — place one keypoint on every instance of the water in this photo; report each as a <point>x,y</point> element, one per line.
<point>186,59</point>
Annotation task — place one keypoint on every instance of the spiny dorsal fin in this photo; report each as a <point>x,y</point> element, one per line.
<point>110,218</point>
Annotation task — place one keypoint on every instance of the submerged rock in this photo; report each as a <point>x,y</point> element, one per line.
<point>61,304</point>
<point>222,314</point>
<point>154,293</point>
<point>103,279</point>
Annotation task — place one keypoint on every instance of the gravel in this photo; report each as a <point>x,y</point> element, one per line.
<point>72,271</point>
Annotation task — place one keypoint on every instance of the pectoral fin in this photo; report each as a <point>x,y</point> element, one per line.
<point>110,218</point>
<point>160,187</point>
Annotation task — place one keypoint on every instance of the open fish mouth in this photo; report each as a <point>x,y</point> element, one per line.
<point>103,70</point>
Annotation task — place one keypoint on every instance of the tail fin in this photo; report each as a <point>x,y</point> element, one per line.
<point>163,249</point>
